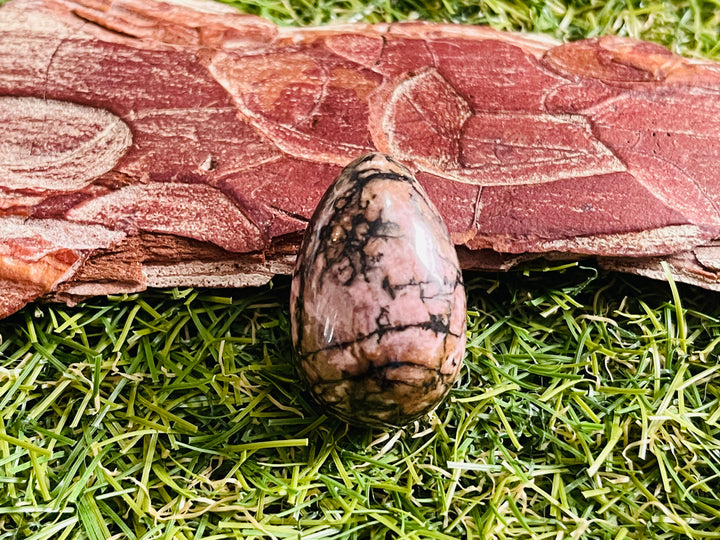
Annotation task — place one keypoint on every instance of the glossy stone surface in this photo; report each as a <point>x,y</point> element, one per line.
<point>377,300</point>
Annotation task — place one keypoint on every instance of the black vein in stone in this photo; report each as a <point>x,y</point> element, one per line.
<point>436,324</point>
<point>363,399</point>
<point>378,374</point>
<point>361,231</point>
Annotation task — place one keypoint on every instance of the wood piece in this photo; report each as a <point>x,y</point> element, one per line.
<point>147,143</point>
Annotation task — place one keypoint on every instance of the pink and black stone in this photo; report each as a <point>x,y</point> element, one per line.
<point>377,302</point>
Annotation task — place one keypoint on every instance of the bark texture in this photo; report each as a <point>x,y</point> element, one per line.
<point>147,143</point>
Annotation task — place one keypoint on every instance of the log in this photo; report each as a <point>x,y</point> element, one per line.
<point>158,144</point>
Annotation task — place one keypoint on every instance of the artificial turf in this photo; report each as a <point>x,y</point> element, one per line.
<point>588,406</point>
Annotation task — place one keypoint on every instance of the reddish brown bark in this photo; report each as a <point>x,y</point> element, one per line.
<point>145,143</point>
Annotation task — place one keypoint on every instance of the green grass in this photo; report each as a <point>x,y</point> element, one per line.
<point>588,406</point>
<point>689,27</point>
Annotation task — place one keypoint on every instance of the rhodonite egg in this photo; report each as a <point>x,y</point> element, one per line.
<point>377,302</point>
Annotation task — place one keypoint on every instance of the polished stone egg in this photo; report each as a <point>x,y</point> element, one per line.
<point>377,300</point>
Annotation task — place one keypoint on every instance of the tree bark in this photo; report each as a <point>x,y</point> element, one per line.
<point>153,144</point>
